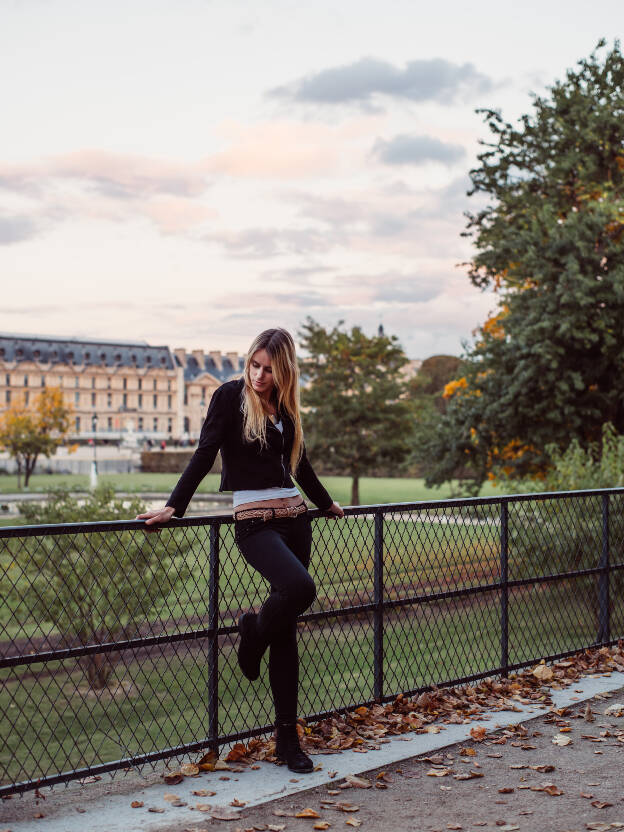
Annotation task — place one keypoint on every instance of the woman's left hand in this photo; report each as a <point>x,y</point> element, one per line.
<point>335,510</point>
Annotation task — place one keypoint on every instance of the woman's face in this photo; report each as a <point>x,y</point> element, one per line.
<point>260,373</point>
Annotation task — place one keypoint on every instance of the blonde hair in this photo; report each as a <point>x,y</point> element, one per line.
<point>281,349</point>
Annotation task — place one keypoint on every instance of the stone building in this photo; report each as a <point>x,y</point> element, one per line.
<point>118,390</point>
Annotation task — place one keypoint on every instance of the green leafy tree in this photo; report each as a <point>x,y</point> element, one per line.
<point>28,432</point>
<point>96,587</point>
<point>547,366</point>
<point>357,419</point>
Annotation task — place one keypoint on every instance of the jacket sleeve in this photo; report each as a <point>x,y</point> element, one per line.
<point>210,440</point>
<point>310,483</point>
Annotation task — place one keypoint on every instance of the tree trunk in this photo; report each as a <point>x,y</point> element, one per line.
<point>19,474</point>
<point>99,669</point>
<point>355,490</point>
<point>28,469</point>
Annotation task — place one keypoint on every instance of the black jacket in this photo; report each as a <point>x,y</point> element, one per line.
<point>245,464</point>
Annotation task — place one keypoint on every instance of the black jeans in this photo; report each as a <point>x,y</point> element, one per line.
<point>280,550</point>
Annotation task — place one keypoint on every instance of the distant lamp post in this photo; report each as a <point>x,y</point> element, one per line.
<point>202,408</point>
<point>94,474</point>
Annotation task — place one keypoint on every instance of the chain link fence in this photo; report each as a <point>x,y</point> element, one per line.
<point>118,646</point>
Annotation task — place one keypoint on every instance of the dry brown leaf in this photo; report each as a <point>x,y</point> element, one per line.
<point>223,813</point>
<point>189,769</point>
<point>586,795</point>
<point>347,807</point>
<point>600,804</point>
<point>506,790</point>
<point>353,822</point>
<point>589,714</point>
<point>358,782</point>
<point>468,752</point>
<point>237,752</point>
<point>551,789</point>
<point>210,757</point>
<point>136,804</point>
<point>156,810</point>
<point>454,826</point>
<point>543,673</point>
<point>276,827</point>
<point>561,740</point>
<point>478,733</point>
<point>203,793</point>
<point>237,802</point>
<point>221,765</point>
<point>173,779</point>
<point>284,813</point>
<point>438,772</point>
<point>545,769</point>
<point>170,798</point>
<point>322,824</point>
<point>307,813</point>
<point>203,807</point>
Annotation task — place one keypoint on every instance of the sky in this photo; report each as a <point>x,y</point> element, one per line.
<point>192,172</point>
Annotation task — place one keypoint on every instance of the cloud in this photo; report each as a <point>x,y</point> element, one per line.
<point>434,79</point>
<point>16,229</point>
<point>417,150</point>
<point>272,242</point>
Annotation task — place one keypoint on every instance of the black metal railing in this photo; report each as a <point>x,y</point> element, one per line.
<point>118,647</point>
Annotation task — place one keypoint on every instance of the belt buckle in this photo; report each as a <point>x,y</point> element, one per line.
<point>267,514</point>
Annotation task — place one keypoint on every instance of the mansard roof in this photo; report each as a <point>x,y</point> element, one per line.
<point>228,369</point>
<point>83,351</point>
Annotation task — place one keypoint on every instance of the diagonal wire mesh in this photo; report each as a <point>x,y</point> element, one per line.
<point>118,646</point>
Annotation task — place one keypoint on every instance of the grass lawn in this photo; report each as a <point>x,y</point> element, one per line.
<point>372,489</point>
<point>164,699</point>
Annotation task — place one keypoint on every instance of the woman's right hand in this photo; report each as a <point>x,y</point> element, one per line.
<point>159,515</point>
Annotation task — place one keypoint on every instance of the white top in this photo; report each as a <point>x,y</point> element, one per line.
<point>254,495</point>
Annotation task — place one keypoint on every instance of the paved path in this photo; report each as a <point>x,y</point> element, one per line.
<point>413,800</point>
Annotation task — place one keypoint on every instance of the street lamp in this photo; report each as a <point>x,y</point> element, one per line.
<point>94,475</point>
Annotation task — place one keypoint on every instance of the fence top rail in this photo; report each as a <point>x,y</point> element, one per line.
<point>376,508</point>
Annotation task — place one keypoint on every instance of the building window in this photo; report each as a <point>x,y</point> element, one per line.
<point>109,423</point>
<point>7,397</point>
<point>109,400</point>
<point>169,385</point>
<point>155,423</point>
<point>185,397</point>
<point>140,423</point>
<point>25,381</point>
<point>125,400</point>
<point>77,424</point>
<point>125,384</point>
<point>140,384</point>
<point>43,381</point>
<point>155,388</point>
<point>155,401</point>
<point>8,379</point>
<point>93,383</point>
<point>169,426</point>
<point>92,399</point>
<point>204,393</point>
<point>76,397</point>
<point>140,400</point>
<point>109,383</point>
<point>168,402</point>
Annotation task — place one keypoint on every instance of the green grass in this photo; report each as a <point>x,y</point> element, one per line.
<point>372,489</point>
<point>167,702</point>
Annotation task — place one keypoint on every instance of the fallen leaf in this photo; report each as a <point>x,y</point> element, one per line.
<point>136,804</point>
<point>617,709</point>
<point>173,779</point>
<point>203,793</point>
<point>589,714</point>
<point>223,813</point>
<point>284,813</point>
<point>210,758</point>
<point>545,769</point>
<point>551,789</point>
<point>322,824</point>
<point>358,782</point>
<point>543,673</point>
<point>276,827</point>
<point>561,740</point>
<point>468,752</point>
<point>156,810</point>
<point>332,774</point>
<point>189,769</point>
<point>600,804</point>
<point>506,790</point>
<point>307,813</point>
<point>38,815</point>
<point>478,733</point>
<point>353,822</point>
<point>454,826</point>
<point>237,802</point>
<point>203,807</point>
<point>170,798</point>
<point>347,807</point>
<point>438,772</point>
<point>586,795</point>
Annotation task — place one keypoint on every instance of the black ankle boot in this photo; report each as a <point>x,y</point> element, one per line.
<point>250,651</point>
<point>288,750</point>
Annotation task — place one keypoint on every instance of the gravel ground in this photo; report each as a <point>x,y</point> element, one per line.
<point>583,790</point>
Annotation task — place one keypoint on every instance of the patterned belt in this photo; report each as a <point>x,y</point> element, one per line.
<point>270,513</point>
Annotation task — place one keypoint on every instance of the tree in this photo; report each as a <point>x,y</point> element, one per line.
<point>92,587</point>
<point>356,419</point>
<point>546,367</point>
<point>28,432</point>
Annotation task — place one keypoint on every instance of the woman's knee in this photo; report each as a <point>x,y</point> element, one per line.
<point>306,592</point>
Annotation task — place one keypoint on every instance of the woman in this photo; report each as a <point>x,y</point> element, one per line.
<point>256,423</point>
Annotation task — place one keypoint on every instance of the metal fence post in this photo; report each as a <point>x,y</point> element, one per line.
<point>504,562</point>
<point>378,657</point>
<point>213,643</point>
<point>604,622</point>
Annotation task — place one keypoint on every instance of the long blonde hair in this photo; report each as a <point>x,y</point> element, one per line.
<point>281,349</point>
